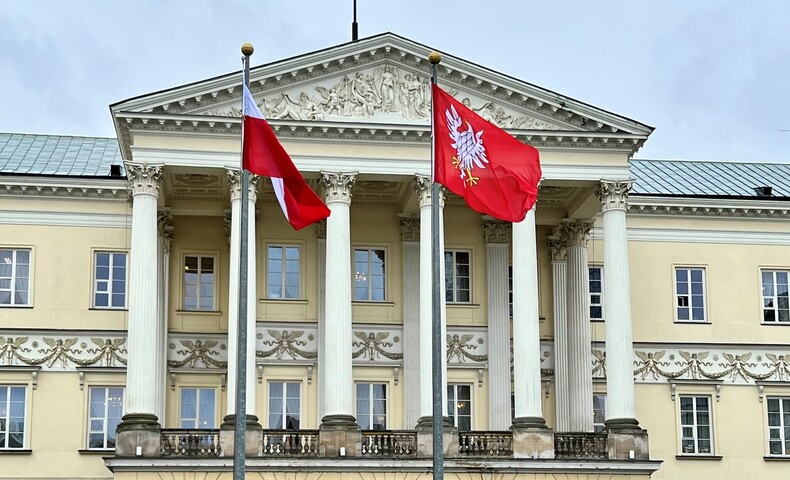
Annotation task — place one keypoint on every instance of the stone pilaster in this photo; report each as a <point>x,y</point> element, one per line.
<point>531,437</point>
<point>620,404</point>
<point>139,427</point>
<point>497,236</point>
<point>165,236</point>
<point>338,431</point>
<point>574,234</point>
<point>410,238</point>
<point>559,269</point>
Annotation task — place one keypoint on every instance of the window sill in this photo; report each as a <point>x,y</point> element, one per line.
<point>109,309</point>
<point>16,306</point>
<point>597,320</point>
<point>283,301</point>
<point>777,458</point>
<point>18,451</point>
<point>701,456</point>
<point>691,322</point>
<point>96,451</point>
<point>372,303</point>
<point>776,324</point>
<point>209,313</point>
<point>463,305</point>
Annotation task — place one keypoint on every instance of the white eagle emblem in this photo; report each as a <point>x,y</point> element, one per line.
<point>468,145</point>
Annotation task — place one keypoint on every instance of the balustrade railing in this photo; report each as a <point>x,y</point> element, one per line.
<point>290,443</point>
<point>485,444</point>
<point>389,443</point>
<point>580,446</point>
<point>189,443</point>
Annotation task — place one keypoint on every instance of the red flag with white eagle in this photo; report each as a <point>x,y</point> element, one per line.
<point>496,174</point>
<point>263,155</point>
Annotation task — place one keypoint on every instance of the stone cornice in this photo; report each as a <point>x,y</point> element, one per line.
<point>708,207</point>
<point>41,186</point>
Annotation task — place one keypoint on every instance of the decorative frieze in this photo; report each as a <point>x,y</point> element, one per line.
<point>144,179</point>
<point>286,344</point>
<point>377,344</point>
<point>193,351</point>
<point>613,194</point>
<point>337,186</point>
<point>495,231</point>
<point>62,352</point>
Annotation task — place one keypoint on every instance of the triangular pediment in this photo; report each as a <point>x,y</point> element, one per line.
<point>381,81</point>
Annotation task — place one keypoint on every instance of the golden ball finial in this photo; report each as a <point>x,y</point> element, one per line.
<point>435,58</point>
<point>247,49</point>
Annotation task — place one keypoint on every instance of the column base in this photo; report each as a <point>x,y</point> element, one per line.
<point>339,436</point>
<point>626,440</point>
<point>138,435</point>
<point>532,438</point>
<point>253,436</point>
<point>425,437</point>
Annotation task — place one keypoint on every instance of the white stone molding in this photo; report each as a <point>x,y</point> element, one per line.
<point>499,385</point>
<point>144,179</point>
<point>678,235</point>
<point>559,268</point>
<point>613,194</point>
<point>69,187</point>
<point>64,219</point>
<point>736,209</point>
<point>337,187</point>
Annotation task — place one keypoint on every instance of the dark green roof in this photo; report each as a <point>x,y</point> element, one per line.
<point>27,154</point>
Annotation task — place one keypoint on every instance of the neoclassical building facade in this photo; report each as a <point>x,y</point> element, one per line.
<point>633,325</point>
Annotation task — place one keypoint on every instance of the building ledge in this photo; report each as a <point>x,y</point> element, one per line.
<point>698,457</point>
<point>776,458</point>
<point>92,451</point>
<point>16,451</point>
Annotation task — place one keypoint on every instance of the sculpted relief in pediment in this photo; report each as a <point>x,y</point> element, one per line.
<point>384,94</point>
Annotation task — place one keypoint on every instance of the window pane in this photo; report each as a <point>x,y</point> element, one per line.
<point>696,275</point>
<point>681,275</point>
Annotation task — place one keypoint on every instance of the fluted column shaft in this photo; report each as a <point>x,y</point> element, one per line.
<point>423,186</point>
<point>526,329</point>
<point>498,236</point>
<point>141,400</point>
<point>234,178</point>
<point>163,273</point>
<point>321,313</point>
<point>580,414</point>
<point>559,267</point>
<point>337,390</point>
<point>620,405</point>
<point>410,236</point>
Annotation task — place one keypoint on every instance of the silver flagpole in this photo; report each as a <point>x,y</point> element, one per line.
<point>239,440</point>
<point>436,359</point>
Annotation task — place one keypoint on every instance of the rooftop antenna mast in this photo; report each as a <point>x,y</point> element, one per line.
<point>354,25</point>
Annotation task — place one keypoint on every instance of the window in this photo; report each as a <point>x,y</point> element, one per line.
<point>599,412</point>
<point>596,292</point>
<point>690,294</point>
<point>284,405</point>
<point>457,276</point>
<point>372,406</point>
<point>105,412</point>
<point>109,285</point>
<point>695,425</point>
<point>369,274</point>
<point>283,270</point>
<point>199,283</point>
<point>12,417</point>
<point>14,277</point>
<point>776,307</point>
<point>198,407</point>
<point>779,426</point>
<point>459,406</point>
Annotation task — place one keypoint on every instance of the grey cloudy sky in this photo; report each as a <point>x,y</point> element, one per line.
<point>712,76</point>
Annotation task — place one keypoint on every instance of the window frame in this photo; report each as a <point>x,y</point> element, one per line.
<point>197,417</point>
<point>5,435</point>
<point>300,273</point>
<point>599,427</point>
<point>453,413</point>
<point>784,408</point>
<point>369,288</point>
<point>105,418</point>
<point>94,290</point>
<point>600,294</point>
<point>371,402</point>
<point>216,273</point>
<point>695,426</point>
<point>12,279</point>
<point>284,398</point>
<point>776,310</point>
<point>455,290</point>
<point>688,282</point>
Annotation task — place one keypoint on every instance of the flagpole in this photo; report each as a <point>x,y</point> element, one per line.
<point>436,360</point>
<point>239,439</point>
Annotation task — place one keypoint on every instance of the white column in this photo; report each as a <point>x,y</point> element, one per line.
<point>423,186</point>
<point>338,391</point>
<point>620,406</point>
<point>526,328</point>
<point>559,269</point>
<point>141,401</point>
<point>165,236</point>
<point>234,179</point>
<point>410,237</point>
<point>580,415</point>
<point>497,236</point>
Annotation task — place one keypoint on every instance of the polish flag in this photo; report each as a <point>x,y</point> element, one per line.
<point>263,155</point>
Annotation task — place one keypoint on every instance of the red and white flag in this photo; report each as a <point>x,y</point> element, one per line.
<point>496,174</point>
<point>263,155</point>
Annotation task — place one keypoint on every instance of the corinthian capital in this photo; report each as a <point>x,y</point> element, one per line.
<point>613,194</point>
<point>409,228</point>
<point>145,179</point>
<point>423,185</point>
<point>573,233</point>
<point>558,252</point>
<point>337,186</point>
<point>234,183</point>
<point>495,231</point>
